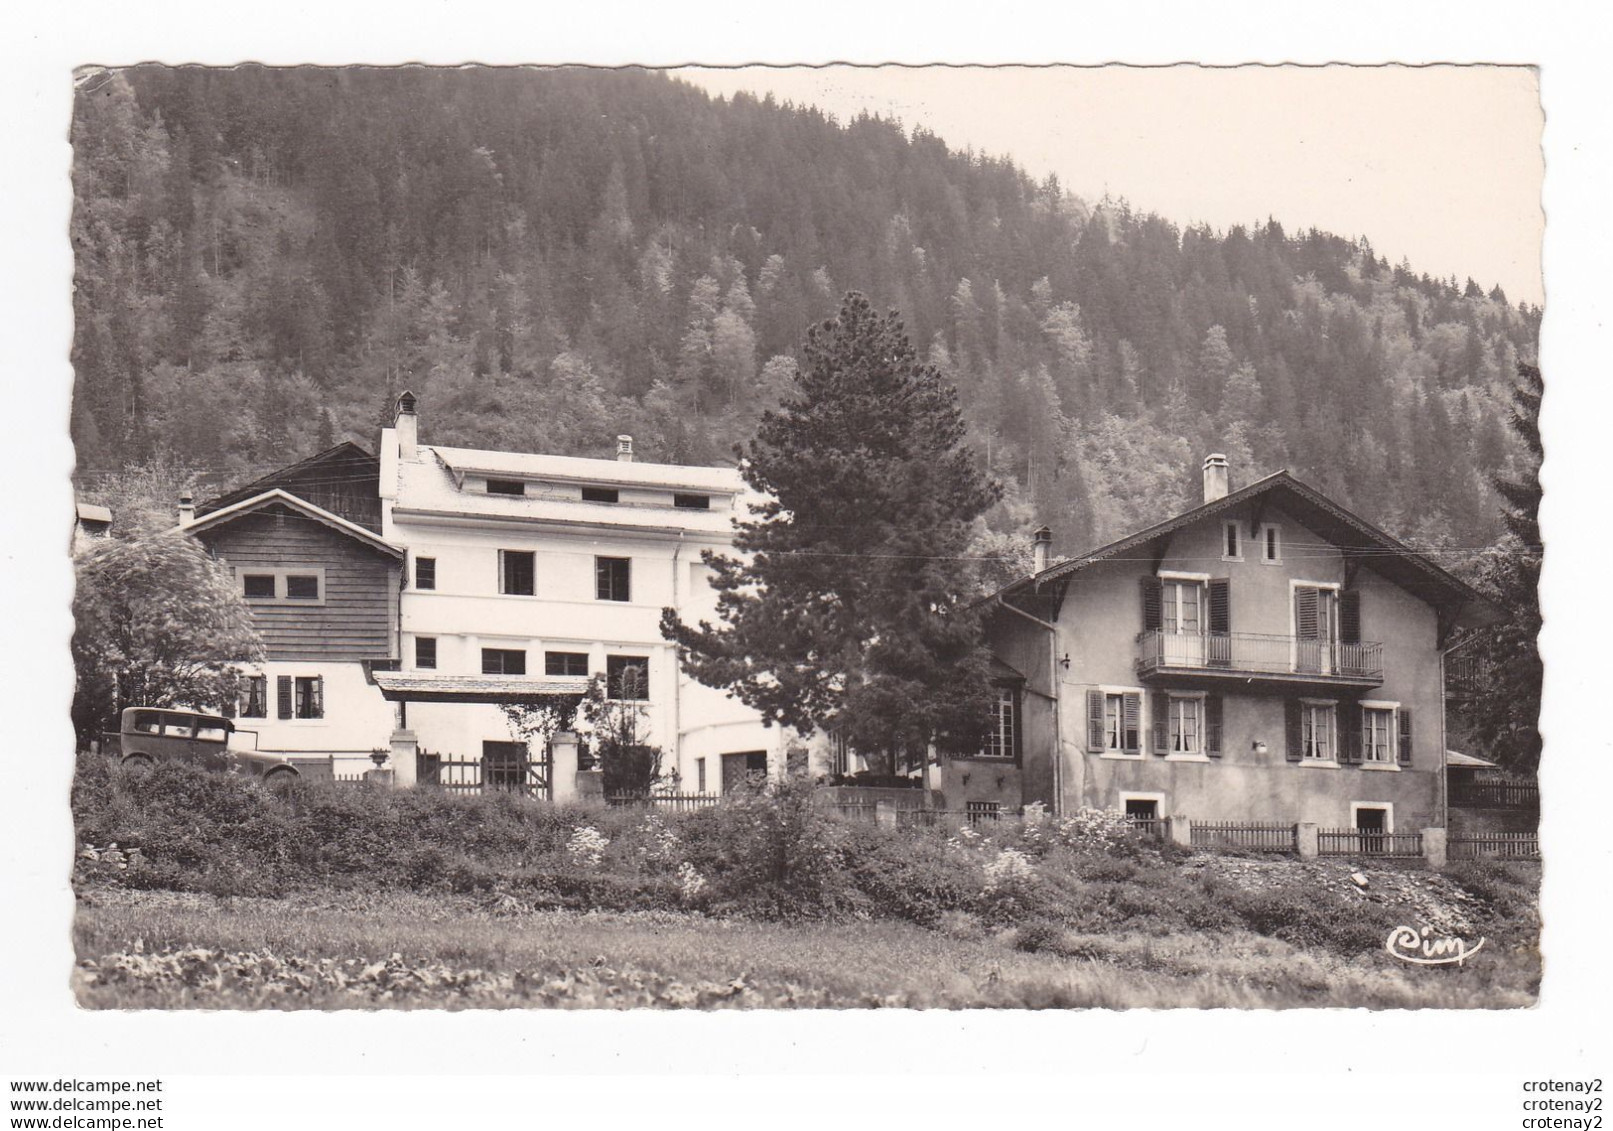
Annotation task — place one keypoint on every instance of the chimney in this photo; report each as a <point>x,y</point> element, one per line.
<point>1042,547</point>
<point>1215,477</point>
<point>408,427</point>
<point>624,449</point>
<point>187,511</point>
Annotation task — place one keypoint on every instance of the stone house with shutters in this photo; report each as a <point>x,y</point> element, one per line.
<point>324,589</point>
<point>1265,656</point>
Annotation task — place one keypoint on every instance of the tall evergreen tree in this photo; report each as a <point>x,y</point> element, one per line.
<point>850,610</point>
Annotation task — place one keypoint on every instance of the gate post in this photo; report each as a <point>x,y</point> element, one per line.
<point>405,751</point>
<point>1434,848</point>
<point>1306,841</point>
<point>563,767</point>
<point>885,814</point>
<point>1181,830</point>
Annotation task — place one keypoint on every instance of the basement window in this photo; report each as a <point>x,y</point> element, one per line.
<point>506,487</point>
<point>601,495</point>
<point>692,502</point>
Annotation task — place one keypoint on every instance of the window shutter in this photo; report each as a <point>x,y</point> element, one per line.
<point>282,688</point>
<point>1295,729</point>
<point>1162,722</point>
<point>316,697</point>
<point>1095,736</point>
<point>1405,736</point>
<point>1220,605</point>
<point>1131,722</point>
<point>1305,624</point>
<point>1350,721</point>
<point>1212,725</point>
<point>1153,600</point>
<point>1350,616</point>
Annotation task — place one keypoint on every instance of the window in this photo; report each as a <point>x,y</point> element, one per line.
<point>1186,725</point>
<point>700,775</point>
<point>1378,735</point>
<point>309,697</point>
<point>1142,808</point>
<point>1002,737</point>
<point>212,730</point>
<point>146,722</point>
<point>258,586</point>
<point>503,661</point>
<point>611,577</point>
<point>178,726</point>
<point>303,586</point>
<point>1271,543</point>
<point>692,502</point>
<point>425,573</point>
<point>1182,608</point>
<point>1114,721</point>
<point>254,700</point>
<point>506,487</point>
<point>627,677</point>
<point>565,663</point>
<point>517,572</point>
<point>1316,731</point>
<point>1232,543</point>
<point>425,651</point>
<point>601,495</point>
<point>840,753</point>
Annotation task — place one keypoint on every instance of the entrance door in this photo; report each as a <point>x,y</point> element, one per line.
<point>740,770</point>
<point>1316,629</point>
<point>1371,824</point>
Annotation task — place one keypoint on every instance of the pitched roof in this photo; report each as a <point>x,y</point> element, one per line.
<point>321,475</point>
<point>277,497</point>
<point>1468,761</point>
<point>577,469</point>
<point>90,512</point>
<point>1393,559</point>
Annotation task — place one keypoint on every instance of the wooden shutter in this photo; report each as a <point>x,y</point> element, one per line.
<point>1350,616</point>
<point>316,697</point>
<point>1153,601</point>
<point>1162,722</point>
<point>1212,725</point>
<point>1306,625</point>
<point>1131,722</point>
<point>1220,605</point>
<point>282,688</point>
<point>1295,729</point>
<point>1405,736</point>
<point>1350,733</point>
<point>1095,735</point>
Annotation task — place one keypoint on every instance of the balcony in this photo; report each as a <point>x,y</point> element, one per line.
<point>1247,657</point>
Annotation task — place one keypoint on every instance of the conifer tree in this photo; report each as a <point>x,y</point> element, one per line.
<point>850,608</point>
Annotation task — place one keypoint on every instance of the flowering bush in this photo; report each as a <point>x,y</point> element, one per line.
<point>659,846</point>
<point>587,847</point>
<point>691,884</point>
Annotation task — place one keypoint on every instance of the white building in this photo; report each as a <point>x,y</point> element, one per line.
<point>530,573</point>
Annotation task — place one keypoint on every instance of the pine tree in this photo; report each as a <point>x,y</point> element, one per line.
<point>850,610</point>
<point>1505,712</point>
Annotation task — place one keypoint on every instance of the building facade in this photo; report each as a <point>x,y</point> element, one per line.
<point>1266,656</point>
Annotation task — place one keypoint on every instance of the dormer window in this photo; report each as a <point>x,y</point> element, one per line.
<point>506,487</point>
<point>601,495</point>
<point>692,502</point>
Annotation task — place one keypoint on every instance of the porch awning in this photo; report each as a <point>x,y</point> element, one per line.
<point>417,687</point>
<point>1458,760</point>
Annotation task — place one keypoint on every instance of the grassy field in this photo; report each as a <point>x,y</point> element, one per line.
<point>397,950</point>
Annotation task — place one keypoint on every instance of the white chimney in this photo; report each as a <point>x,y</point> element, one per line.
<point>1042,548</point>
<point>624,448</point>
<point>1216,484</point>
<point>408,427</point>
<point>187,511</point>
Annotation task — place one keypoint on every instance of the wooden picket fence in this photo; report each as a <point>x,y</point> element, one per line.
<point>1151,828</point>
<point>670,802</point>
<point>1257,836</point>
<point>1495,846</point>
<point>1360,842</point>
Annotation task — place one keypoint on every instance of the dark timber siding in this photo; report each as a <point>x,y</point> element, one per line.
<point>361,587</point>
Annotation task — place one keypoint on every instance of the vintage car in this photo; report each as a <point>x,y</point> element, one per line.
<point>151,734</point>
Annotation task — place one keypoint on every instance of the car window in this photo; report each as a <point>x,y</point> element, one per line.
<point>146,722</point>
<point>177,726</point>
<point>212,730</point>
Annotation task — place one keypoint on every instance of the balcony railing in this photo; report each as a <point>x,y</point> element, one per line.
<point>1248,653</point>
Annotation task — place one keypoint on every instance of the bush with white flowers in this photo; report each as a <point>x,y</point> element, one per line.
<point>587,846</point>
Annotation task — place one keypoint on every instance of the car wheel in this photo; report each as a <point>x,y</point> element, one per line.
<point>137,765</point>
<point>280,780</point>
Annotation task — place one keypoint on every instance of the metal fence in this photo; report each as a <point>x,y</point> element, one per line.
<point>1257,836</point>
<point>1495,846</point>
<point>1368,842</point>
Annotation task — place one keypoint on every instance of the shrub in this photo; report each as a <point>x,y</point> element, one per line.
<point>911,876</point>
<point>1307,918</point>
<point>1038,936</point>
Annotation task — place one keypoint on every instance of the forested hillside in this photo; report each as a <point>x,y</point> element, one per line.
<point>548,258</point>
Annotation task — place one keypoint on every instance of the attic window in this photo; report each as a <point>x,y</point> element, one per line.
<point>692,502</point>
<point>506,487</point>
<point>259,586</point>
<point>600,495</point>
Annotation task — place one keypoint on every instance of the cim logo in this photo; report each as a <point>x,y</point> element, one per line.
<point>1424,948</point>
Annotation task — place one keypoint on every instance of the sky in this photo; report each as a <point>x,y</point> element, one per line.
<point>1440,165</point>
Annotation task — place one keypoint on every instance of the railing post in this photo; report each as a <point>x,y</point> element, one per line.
<point>1181,830</point>
<point>1435,848</point>
<point>1306,841</point>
